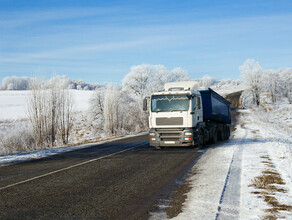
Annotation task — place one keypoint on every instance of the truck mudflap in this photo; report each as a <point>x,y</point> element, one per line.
<point>160,137</point>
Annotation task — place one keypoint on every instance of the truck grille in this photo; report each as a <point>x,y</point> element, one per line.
<point>169,121</point>
<point>170,134</point>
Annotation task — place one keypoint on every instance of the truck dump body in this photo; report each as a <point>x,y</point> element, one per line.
<point>215,107</point>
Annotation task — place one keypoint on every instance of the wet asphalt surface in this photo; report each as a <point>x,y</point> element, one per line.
<point>126,185</point>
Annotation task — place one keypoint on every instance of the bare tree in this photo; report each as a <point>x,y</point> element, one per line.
<point>65,120</point>
<point>50,114</point>
<point>178,74</point>
<point>96,110</point>
<point>111,109</point>
<point>138,79</point>
<point>271,83</point>
<point>286,76</point>
<point>207,81</point>
<point>251,73</point>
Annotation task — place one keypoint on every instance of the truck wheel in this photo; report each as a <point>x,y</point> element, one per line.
<point>227,133</point>
<point>221,135</point>
<point>215,137</point>
<point>201,140</point>
<point>158,148</point>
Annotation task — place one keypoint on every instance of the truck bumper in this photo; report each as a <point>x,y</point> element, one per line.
<point>174,137</point>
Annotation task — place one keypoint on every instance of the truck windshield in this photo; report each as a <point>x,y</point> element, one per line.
<point>168,103</point>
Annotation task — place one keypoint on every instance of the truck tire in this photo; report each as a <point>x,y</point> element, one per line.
<point>215,137</point>
<point>201,139</point>
<point>227,133</point>
<point>158,148</point>
<point>221,134</point>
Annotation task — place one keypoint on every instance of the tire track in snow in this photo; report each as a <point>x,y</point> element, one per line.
<point>229,203</point>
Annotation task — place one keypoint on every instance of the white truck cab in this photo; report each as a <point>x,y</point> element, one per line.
<point>176,115</point>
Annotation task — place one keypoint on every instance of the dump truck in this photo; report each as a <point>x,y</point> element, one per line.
<point>183,115</point>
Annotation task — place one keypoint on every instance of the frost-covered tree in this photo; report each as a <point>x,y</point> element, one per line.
<point>178,74</point>
<point>251,72</point>
<point>50,114</point>
<point>15,83</point>
<point>159,76</point>
<point>61,80</point>
<point>271,83</point>
<point>137,81</point>
<point>144,79</point>
<point>23,83</point>
<point>96,110</point>
<point>111,109</point>
<point>286,78</point>
<point>208,81</point>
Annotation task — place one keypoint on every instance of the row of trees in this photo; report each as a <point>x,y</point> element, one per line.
<point>26,83</point>
<point>278,83</point>
<point>116,110</point>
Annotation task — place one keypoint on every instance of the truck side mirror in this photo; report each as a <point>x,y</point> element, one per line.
<point>145,103</point>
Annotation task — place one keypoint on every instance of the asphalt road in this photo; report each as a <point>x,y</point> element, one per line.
<point>119,180</point>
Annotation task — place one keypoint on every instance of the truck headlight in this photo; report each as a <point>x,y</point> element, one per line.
<point>152,134</point>
<point>188,133</point>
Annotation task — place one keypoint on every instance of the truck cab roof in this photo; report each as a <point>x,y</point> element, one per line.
<point>182,86</point>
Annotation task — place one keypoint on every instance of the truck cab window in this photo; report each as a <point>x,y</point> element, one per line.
<point>194,101</point>
<point>198,102</point>
<point>169,103</point>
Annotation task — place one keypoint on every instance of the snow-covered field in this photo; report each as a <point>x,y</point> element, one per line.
<point>14,104</point>
<point>14,117</point>
<point>248,177</point>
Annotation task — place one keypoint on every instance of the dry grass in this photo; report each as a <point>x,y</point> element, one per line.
<point>267,185</point>
<point>266,157</point>
<point>255,131</point>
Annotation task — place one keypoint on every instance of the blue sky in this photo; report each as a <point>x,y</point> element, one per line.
<point>98,41</point>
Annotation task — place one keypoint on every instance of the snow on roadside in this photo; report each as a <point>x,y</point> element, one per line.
<point>256,148</point>
<point>207,183</point>
<point>279,147</point>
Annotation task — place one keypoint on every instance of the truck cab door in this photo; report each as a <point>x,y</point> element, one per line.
<point>197,110</point>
